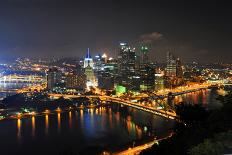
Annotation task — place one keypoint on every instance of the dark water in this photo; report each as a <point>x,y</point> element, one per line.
<point>207,98</point>
<point>112,128</point>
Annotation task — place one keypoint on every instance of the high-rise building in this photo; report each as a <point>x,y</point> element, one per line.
<point>146,71</point>
<point>147,78</point>
<point>104,58</point>
<point>179,70</point>
<point>171,65</point>
<point>105,81</point>
<point>76,81</point>
<point>144,55</point>
<point>174,72</point>
<point>54,77</point>
<point>159,82</point>
<point>98,63</point>
<point>88,60</point>
<point>126,65</point>
<point>90,77</point>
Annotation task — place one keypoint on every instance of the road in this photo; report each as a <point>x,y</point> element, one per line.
<point>160,112</point>
<point>138,149</point>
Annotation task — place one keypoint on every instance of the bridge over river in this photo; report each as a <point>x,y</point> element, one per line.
<point>153,110</point>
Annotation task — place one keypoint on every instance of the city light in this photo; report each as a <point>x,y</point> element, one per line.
<point>121,78</point>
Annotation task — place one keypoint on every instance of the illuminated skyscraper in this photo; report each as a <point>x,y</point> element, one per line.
<point>146,71</point>
<point>90,77</point>
<point>76,81</point>
<point>171,65</point>
<point>179,70</point>
<point>126,65</point>
<point>88,60</point>
<point>144,55</point>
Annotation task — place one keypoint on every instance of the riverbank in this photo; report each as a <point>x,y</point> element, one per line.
<point>139,148</point>
<point>207,131</point>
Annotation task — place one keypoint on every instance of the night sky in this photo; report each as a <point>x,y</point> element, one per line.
<point>193,30</point>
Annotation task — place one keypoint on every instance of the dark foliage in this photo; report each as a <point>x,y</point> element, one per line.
<point>200,126</point>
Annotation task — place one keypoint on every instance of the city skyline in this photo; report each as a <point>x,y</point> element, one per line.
<point>121,77</point>
<point>195,31</point>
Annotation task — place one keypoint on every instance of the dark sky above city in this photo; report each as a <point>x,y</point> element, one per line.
<point>193,30</point>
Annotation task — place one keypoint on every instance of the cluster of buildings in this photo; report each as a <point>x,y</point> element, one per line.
<point>132,70</point>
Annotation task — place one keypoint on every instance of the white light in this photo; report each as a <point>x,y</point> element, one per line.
<point>104,55</point>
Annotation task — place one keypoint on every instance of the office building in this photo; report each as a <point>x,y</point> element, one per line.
<point>54,77</point>
<point>126,65</point>
<point>88,60</point>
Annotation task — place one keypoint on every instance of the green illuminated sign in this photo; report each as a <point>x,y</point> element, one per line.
<point>120,89</point>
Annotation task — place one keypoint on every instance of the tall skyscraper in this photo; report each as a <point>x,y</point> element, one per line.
<point>88,60</point>
<point>126,65</point>
<point>174,73</point>
<point>98,63</point>
<point>179,70</point>
<point>105,81</point>
<point>90,77</point>
<point>76,81</point>
<point>171,65</point>
<point>146,71</point>
<point>53,78</point>
<point>144,55</point>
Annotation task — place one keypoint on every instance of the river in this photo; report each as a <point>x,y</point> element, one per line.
<point>111,129</point>
<point>106,128</point>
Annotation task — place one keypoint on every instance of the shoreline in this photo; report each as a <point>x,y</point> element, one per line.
<point>144,146</point>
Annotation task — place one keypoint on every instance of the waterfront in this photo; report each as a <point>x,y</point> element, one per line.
<point>206,97</point>
<point>7,89</point>
<point>111,129</point>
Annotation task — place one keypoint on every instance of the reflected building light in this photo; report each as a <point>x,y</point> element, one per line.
<point>76,114</point>
<point>58,121</point>
<point>33,125</point>
<point>117,117</point>
<point>81,116</point>
<point>91,111</point>
<point>46,124</point>
<point>70,119</point>
<point>96,111</point>
<point>110,118</point>
<point>19,129</point>
<point>139,131</point>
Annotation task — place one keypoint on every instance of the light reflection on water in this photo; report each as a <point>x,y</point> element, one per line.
<point>205,97</point>
<point>46,124</point>
<point>58,122</point>
<point>70,120</point>
<point>33,126</point>
<point>102,126</point>
<point>113,119</point>
<point>19,129</point>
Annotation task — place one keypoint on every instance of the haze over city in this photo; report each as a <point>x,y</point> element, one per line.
<point>66,28</point>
